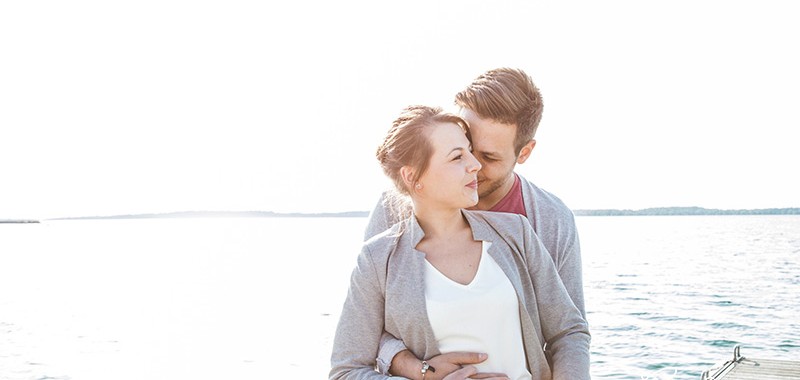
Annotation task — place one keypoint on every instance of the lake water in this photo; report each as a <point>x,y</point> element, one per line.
<point>666,297</point>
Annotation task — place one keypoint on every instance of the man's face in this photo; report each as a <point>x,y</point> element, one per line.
<point>493,146</point>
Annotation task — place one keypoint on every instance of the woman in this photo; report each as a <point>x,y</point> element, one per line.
<point>448,279</point>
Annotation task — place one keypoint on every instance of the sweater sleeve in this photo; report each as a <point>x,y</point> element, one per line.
<point>389,348</point>
<point>361,324</point>
<point>565,331</point>
<point>569,266</point>
<point>555,223</point>
<point>380,219</point>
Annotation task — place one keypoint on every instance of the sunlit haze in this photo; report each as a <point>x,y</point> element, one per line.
<point>159,106</point>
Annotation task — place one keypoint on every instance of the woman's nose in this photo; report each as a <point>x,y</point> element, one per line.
<point>476,165</point>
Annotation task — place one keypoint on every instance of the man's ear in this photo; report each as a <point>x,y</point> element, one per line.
<point>407,173</point>
<point>525,152</point>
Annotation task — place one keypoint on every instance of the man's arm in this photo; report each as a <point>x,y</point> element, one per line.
<point>565,331</point>
<point>570,266</point>
<point>554,222</point>
<point>380,218</point>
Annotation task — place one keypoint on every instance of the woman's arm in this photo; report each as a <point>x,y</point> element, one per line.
<point>358,334</point>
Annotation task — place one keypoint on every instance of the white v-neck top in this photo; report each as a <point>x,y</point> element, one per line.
<point>482,316</point>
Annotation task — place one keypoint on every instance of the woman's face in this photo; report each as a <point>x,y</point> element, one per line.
<point>451,179</point>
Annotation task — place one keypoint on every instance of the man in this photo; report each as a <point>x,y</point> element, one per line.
<point>503,108</point>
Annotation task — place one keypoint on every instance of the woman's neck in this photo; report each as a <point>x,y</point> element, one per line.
<point>440,223</point>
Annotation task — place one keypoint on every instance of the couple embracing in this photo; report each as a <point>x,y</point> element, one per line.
<point>469,270</point>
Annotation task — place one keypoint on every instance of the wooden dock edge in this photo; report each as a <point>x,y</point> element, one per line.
<point>742,368</point>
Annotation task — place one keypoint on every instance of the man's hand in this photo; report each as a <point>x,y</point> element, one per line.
<point>450,366</point>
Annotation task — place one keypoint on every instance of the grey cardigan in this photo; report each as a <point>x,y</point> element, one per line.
<point>387,292</point>
<point>551,219</point>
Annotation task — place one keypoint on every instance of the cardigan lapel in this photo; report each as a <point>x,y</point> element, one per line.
<point>499,251</point>
<point>505,255</point>
<point>406,290</point>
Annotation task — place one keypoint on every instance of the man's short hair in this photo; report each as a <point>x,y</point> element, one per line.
<point>508,96</point>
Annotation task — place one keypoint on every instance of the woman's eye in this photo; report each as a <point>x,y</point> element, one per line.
<point>457,157</point>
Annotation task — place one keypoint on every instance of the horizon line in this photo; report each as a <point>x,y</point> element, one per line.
<point>669,210</point>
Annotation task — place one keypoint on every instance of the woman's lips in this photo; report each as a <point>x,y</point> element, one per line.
<point>473,184</point>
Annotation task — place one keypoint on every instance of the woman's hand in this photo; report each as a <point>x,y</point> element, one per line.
<point>456,366</point>
<point>470,372</point>
<point>452,363</point>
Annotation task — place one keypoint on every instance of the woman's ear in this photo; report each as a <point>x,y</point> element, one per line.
<point>407,173</point>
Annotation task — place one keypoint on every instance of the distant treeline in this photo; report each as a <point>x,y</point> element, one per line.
<point>226,214</point>
<point>687,211</point>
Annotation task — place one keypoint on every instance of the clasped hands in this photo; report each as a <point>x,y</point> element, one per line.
<point>449,366</point>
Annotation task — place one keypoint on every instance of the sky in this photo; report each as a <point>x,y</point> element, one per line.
<point>157,106</point>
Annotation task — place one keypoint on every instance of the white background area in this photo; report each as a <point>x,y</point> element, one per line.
<point>158,106</point>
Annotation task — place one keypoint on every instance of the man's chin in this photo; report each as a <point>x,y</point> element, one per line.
<point>485,193</point>
<point>486,189</point>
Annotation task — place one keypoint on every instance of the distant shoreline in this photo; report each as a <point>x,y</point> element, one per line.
<point>658,211</point>
<point>667,211</point>
<point>226,214</point>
